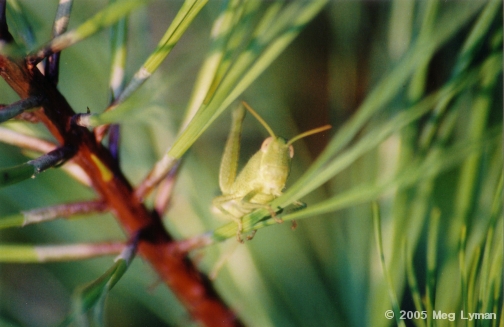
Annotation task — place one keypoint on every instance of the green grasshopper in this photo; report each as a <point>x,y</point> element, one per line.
<point>262,179</point>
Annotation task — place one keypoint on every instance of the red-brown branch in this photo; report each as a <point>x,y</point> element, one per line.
<point>156,246</point>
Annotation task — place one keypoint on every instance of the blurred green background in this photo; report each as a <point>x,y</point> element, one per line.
<point>327,272</point>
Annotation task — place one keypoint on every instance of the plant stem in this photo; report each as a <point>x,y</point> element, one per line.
<point>157,246</point>
<point>51,253</point>
<point>59,27</point>
<point>18,107</point>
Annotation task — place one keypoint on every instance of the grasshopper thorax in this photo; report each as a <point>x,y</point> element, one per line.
<point>275,163</point>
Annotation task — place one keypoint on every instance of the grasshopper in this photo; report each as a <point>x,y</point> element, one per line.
<point>262,179</point>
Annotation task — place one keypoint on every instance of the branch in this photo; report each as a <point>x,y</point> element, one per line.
<point>157,246</point>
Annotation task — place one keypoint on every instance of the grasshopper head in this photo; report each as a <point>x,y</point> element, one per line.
<point>276,156</point>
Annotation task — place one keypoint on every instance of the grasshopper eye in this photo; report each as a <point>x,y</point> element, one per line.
<point>266,143</point>
<point>291,151</point>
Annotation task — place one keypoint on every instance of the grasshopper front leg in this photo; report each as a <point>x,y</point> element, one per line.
<point>237,206</point>
<point>247,203</point>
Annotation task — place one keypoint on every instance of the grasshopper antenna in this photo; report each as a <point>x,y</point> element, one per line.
<point>256,115</point>
<point>308,133</point>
